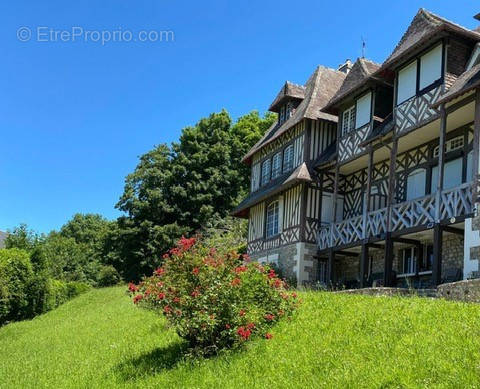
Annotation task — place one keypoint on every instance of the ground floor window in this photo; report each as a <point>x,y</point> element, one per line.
<point>410,255</point>
<point>409,259</point>
<point>322,272</point>
<point>427,260</point>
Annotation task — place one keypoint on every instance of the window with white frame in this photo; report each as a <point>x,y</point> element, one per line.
<point>451,145</point>
<point>273,211</point>
<point>427,260</point>
<point>348,120</point>
<point>265,171</point>
<point>288,158</point>
<point>416,184</point>
<point>276,165</point>
<point>282,113</point>
<point>419,74</point>
<point>363,110</point>
<point>409,260</point>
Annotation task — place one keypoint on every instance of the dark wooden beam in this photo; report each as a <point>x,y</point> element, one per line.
<point>437,255</point>
<point>412,242</point>
<point>476,144</point>
<point>461,103</point>
<point>346,253</point>
<point>376,246</point>
<point>441,161</point>
<point>363,265</point>
<point>453,230</point>
<point>388,261</point>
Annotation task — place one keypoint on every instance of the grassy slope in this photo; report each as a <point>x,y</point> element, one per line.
<point>100,340</point>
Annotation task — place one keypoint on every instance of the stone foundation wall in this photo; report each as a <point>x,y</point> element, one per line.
<point>467,290</point>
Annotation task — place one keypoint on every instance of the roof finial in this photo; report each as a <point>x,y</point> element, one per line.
<point>364,45</point>
<point>477,16</point>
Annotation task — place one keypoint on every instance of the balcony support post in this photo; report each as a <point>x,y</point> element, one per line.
<point>437,255</point>
<point>330,268</point>
<point>363,265</point>
<point>441,161</point>
<point>388,261</point>
<point>335,198</point>
<point>368,190</point>
<point>476,147</point>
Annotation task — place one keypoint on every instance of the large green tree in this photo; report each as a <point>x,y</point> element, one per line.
<point>179,189</point>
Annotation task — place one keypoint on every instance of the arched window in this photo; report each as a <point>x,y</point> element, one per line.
<point>416,184</point>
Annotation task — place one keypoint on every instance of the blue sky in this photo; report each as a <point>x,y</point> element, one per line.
<point>75,115</point>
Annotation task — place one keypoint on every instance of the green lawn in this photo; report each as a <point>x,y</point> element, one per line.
<point>99,340</point>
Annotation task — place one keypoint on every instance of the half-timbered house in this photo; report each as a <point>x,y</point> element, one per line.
<point>387,191</point>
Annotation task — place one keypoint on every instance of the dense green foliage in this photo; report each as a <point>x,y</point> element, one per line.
<point>333,341</point>
<point>25,292</point>
<point>177,190</point>
<point>215,300</point>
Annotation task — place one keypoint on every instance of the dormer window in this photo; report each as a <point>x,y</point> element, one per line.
<point>288,158</point>
<point>282,114</point>
<point>266,171</point>
<point>348,120</point>
<point>364,110</point>
<point>420,74</point>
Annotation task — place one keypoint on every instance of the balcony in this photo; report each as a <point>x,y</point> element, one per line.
<point>453,203</point>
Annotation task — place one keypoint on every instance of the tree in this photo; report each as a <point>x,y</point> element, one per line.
<point>179,189</point>
<point>23,238</point>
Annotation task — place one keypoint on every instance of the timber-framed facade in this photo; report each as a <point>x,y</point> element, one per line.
<point>383,186</point>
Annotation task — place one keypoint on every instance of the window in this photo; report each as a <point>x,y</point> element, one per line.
<point>409,260</point>
<point>431,67</point>
<point>450,145</point>
<point>416,184</point>
<point>281,115</point>
<point>272,219</point>
<point>452,175</point>
<point>407,82</point>
<point>322,272</point>
<point>348,120</point>
<point>427,260</point>
<point>288,158</point>
<point>265,171</point>
<point>276,165</point>
<point>363,112</point>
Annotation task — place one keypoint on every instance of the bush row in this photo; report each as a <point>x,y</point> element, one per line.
<point>26,291</point>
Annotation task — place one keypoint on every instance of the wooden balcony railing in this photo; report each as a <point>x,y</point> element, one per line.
<point>454,203</point>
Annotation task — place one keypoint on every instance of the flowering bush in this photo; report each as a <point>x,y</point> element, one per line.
<point>214,300</point>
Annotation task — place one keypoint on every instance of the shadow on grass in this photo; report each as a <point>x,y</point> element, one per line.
<point>152,363</point>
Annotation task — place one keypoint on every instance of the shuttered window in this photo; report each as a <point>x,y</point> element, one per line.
<point>288,158</point>
<point>276,165</point>
<point>407,82</point>
<point>272,219</point>
<point>364,108</point>
<point>431,67</point>
<point>416,184</point>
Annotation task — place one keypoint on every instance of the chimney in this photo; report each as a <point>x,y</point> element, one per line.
<point>345,67</point>
<point>477,16</point>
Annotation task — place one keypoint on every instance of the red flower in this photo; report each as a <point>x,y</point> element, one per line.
<point>167,309</point>
<point>137,298</point>
<point>240,269</point>
<point>176,300</point>
<point>159,271</point>
<point>251,326</point>
<point>160,284</point>
<point>278,283</point>
<point>132,287</point>
<point>236,281</point>
<point>244,333</point>
<point>195,293</point>
<point>268,335</point>
<point>165,256</point>
<point>195,270</point>
<point>161,296</point>
<point>227,326</point>
<point>269,317</point>
<point>271,274</point>
<point>185,243</point>
<point>242,312</point>
<point>246,258</point>
<point>294,295</point>
<point>175,251</point>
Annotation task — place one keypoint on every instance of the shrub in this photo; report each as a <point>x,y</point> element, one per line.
<point>214,300</point>
<point>16,275</point>
<point>108,276</point>
<point>59,292</point>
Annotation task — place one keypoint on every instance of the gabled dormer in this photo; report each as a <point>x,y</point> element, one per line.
<point>287,101</point>
<point>431,55</point>
<point>362,103</point>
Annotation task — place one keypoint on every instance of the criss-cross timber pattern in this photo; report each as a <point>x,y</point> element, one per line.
<point>456,202</point>
<point>311,228</point>
<point>349,146</point>
<point>413,213</point>
<point>347,231</point>
<point>377,222</point>
<point>416,110</point>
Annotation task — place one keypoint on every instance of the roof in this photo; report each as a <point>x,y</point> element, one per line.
<point>465,83</point>
<point>361,70</point>
<point>424,26</point>
<point>300,174</point>
<point>328,155</point>
<point>319,89</point>
<point>289,90</point>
